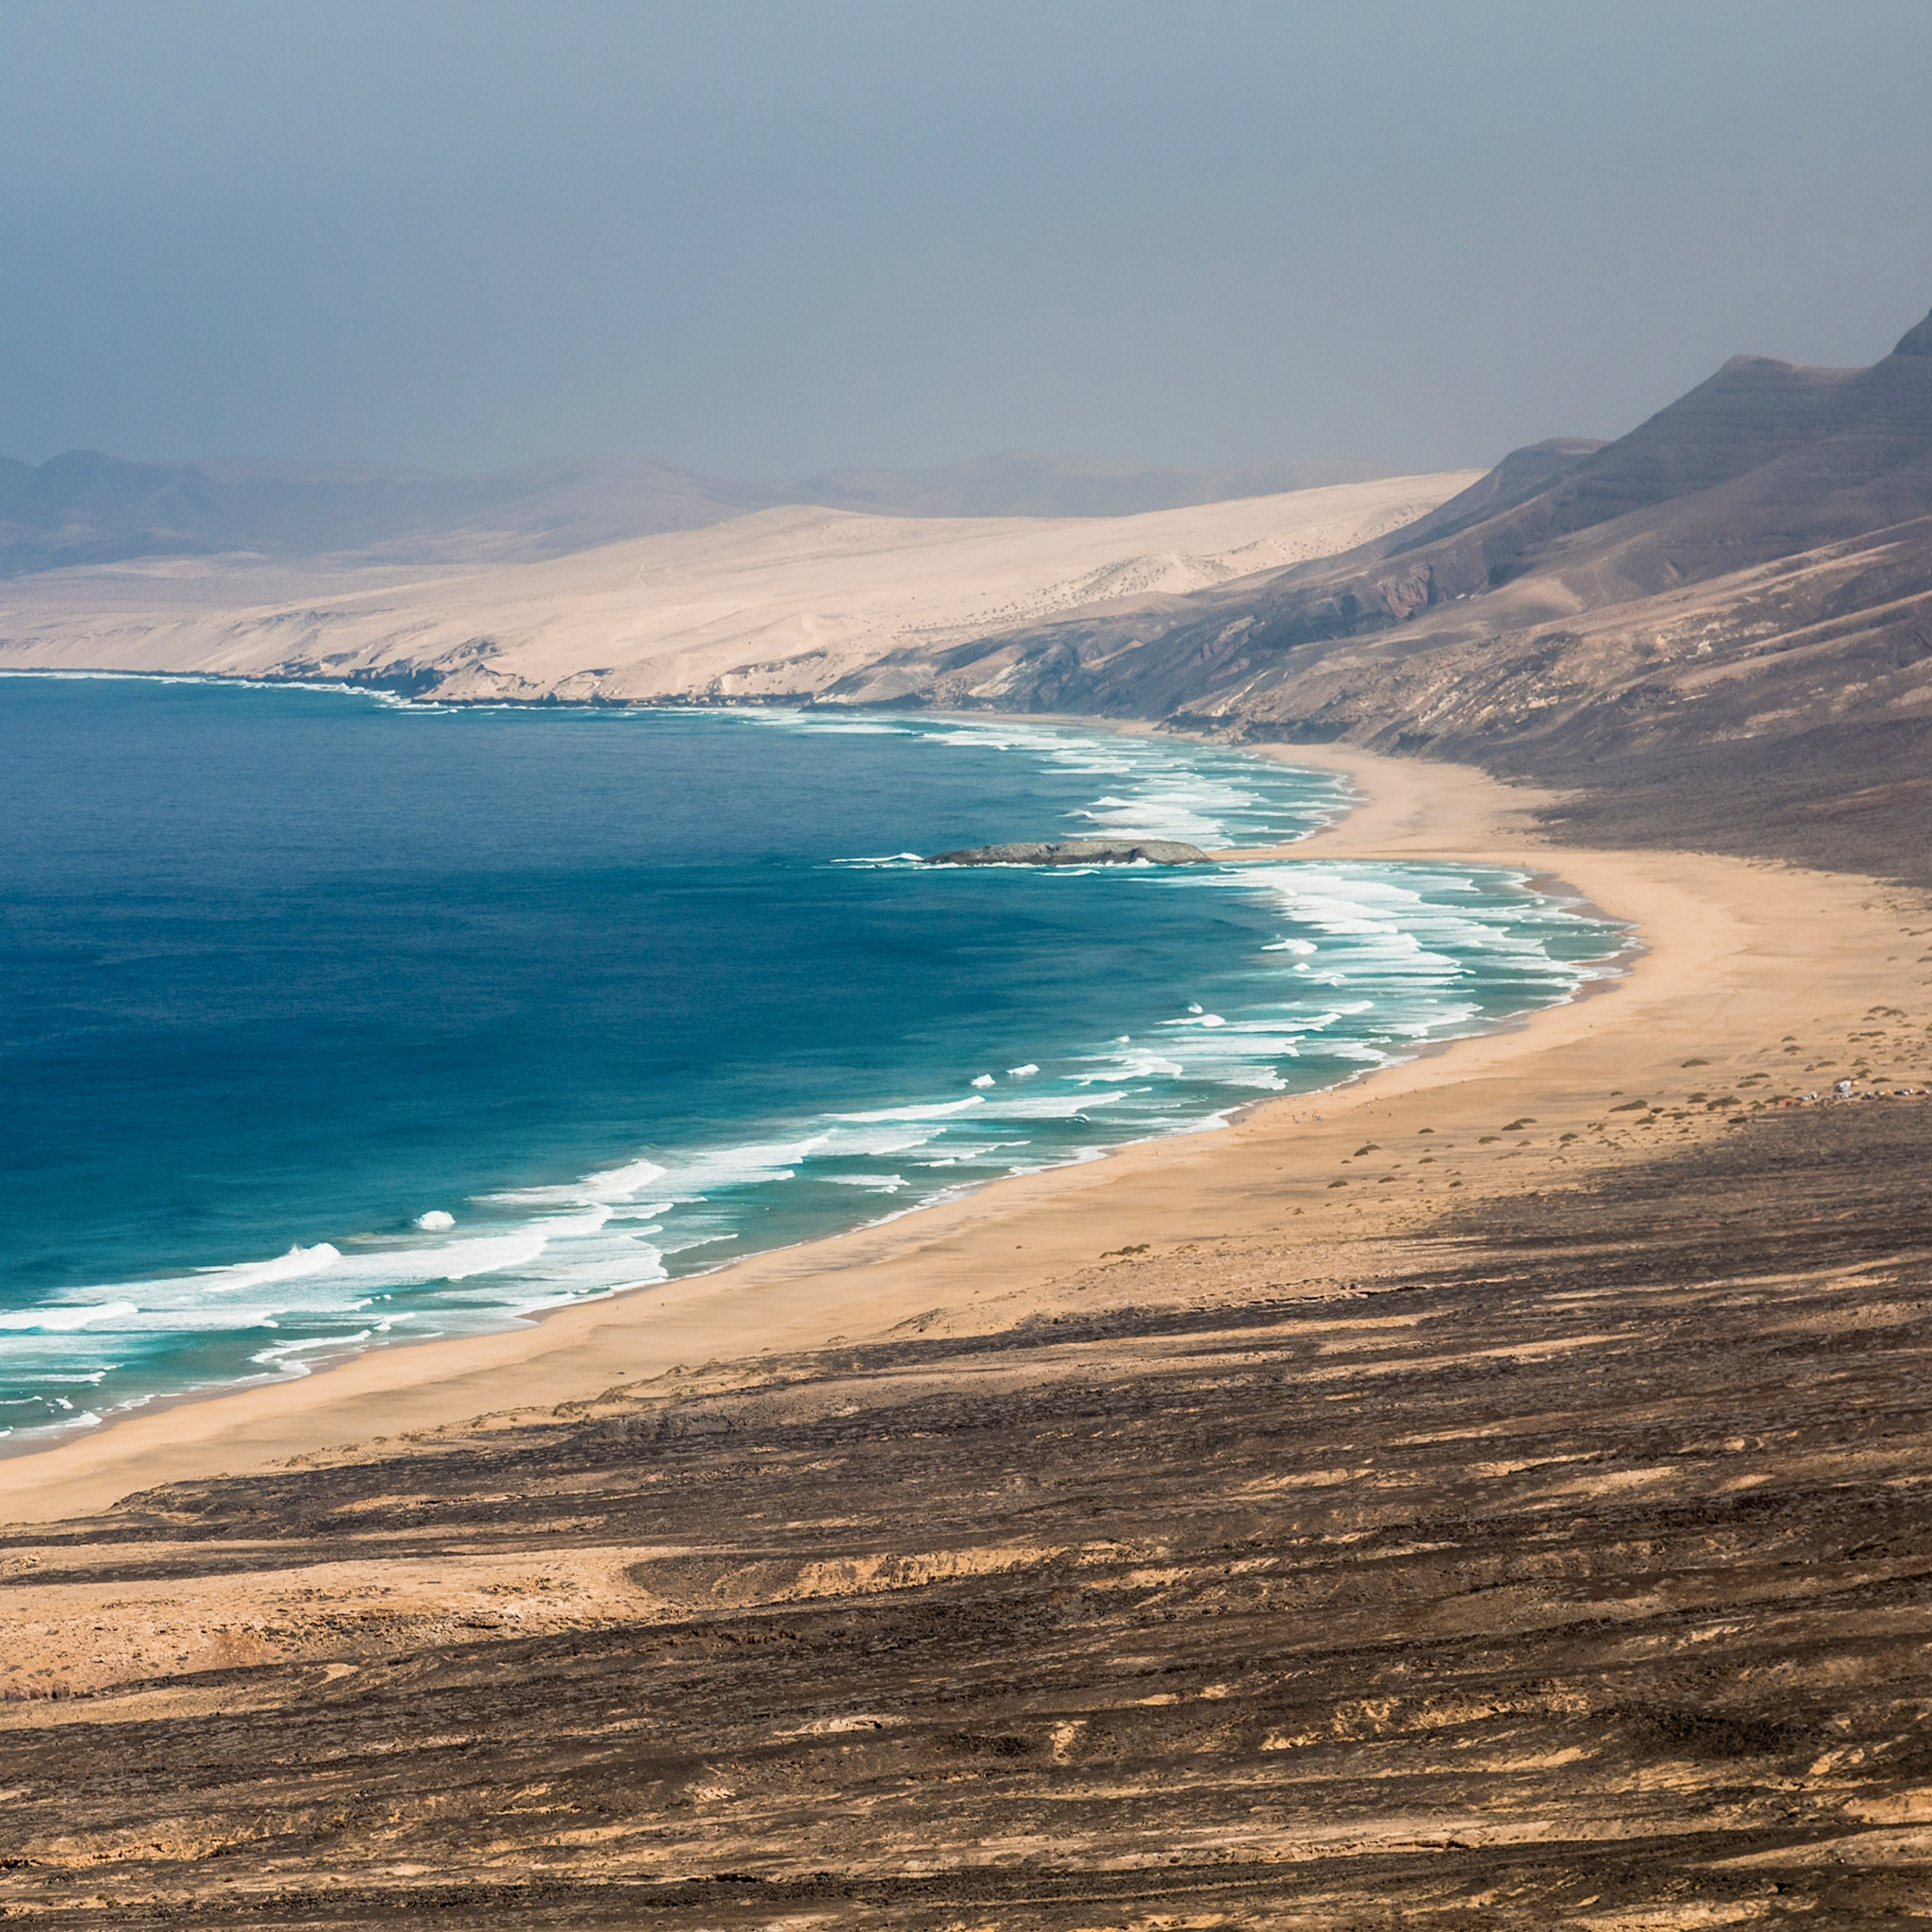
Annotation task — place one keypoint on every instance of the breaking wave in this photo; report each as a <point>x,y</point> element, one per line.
<point>1330,970</point>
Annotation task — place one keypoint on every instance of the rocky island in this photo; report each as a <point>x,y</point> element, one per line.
<point>1078,852</point>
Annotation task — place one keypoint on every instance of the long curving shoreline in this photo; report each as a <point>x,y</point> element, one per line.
<point>125,1368</point>
<point>1737,953</point>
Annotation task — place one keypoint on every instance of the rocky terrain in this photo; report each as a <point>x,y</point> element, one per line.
<point>1562,1561</point>
<point>1077,852</point>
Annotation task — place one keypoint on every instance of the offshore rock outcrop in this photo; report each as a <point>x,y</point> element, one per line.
<point>1078,852</point>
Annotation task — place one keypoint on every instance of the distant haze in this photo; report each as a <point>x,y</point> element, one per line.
<point>86,507</point>
<point>787,240</point>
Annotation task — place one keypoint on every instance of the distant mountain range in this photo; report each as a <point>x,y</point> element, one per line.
<point>1721,624</point>
<point>1014,485</point>
<point>1716,629</point>
<point>84,508</point>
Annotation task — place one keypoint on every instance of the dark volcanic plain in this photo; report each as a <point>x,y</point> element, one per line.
<point>1567,1563</point>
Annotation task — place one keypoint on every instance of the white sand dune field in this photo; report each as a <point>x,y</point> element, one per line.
<point>787,601</point>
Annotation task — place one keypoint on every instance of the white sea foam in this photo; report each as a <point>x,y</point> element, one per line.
<point>1054,1107</point>
<point>1145,786</point>
<point>608,1188</point>
<point>1368,961</point>
<point>933,1110</point>
<point>284,1354</point>
<point>63,1318</point>
<point>330,1281</point>
<point>289,1267</point>
<point>1132,1066</point>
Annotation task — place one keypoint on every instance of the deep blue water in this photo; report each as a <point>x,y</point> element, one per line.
<point>620,994</point>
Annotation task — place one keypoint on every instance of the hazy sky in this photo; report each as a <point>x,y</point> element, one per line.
<point>764,239</point>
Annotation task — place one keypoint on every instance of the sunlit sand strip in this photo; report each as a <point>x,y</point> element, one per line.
<point>1741,962</point>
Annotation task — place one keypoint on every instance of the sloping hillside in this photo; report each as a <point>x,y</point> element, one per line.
<point>1722,623</point>
<point>85,509</point>
<point>1716,629</point>
<point>784,603</point>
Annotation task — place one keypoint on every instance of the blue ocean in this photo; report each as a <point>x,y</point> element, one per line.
<point>329,1022</point>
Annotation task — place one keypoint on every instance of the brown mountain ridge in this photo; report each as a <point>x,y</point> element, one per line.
<point>1719,625</point>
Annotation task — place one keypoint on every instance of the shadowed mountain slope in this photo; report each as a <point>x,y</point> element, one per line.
<point>1721,622</point>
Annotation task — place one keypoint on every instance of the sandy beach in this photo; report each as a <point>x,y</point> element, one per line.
<point>1427,1490</point>
<point>595,613</point>
<point>1750,980</point>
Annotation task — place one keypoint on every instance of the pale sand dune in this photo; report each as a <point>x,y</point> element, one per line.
<point>1744,963</point>
<point>782,601</point>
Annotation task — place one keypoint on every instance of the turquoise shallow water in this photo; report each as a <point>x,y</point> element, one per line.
<point>327,1021</point>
